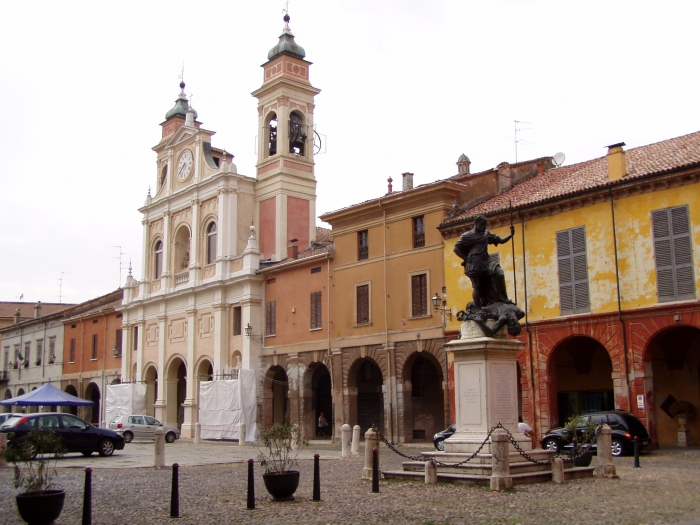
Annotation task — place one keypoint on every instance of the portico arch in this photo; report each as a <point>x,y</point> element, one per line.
<point>317,398</point>
<point>365,395</point>
<point>204,372</point>
<point>175,391</point>
<point>423,398</point>
<point>276,392</point>
<point>70,389</point>
<point>92,414</point>
<point>150,377</point>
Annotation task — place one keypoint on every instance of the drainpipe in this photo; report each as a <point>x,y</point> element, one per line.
<point>535,420</point>
<point>330,354</point>
<point>619,301</point>
<point>389,367</point>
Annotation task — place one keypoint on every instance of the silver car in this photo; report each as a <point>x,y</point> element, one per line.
<point>142,427</point>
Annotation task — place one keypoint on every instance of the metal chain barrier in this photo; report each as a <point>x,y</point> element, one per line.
<point>577,452</point>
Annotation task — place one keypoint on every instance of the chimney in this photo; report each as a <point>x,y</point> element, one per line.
<point>293,249</point>
<point>463,164</point>
<point>617,166</point>
<point>407,181</point>
<point>17,316</point>
<point>540,168</point>
<point>391,188</point>
<point>37,310</point>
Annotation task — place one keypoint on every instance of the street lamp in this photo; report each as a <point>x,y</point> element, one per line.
<point>249,333</point>
<point>440,305</point>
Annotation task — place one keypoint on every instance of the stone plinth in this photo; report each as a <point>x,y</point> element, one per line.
<point>486,389</point>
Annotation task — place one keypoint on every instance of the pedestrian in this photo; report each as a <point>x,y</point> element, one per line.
<point>322,424</point>
<point>524,428</point>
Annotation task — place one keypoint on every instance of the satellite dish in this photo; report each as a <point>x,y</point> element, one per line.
<point>558,159</point>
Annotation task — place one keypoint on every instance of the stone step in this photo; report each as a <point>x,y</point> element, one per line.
<point>483,469</point>
<point>518,479</point>
<point>456,457</point>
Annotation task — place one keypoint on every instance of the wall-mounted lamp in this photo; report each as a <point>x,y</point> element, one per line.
<point>117,351</point>
<point>52,359</point>
<point>249,333</point>
<point>440,305</point>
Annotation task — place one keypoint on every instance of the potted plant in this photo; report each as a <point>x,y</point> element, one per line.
<point>684,411</point>
<point>283,443</point>
<point>582,434</point>
<point>34,461</point>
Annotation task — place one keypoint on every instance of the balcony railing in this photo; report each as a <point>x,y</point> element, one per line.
<point>182,278</point>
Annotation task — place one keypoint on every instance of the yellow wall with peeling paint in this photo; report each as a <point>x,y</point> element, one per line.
<point>634,245</point>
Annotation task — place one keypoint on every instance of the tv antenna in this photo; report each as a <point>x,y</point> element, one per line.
<point>60,288</point>
<point>517,128</point>
<point>120,264</point>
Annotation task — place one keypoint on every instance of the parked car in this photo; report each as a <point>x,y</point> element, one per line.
<point>77,434</point>
<point>5,417</point>
<point>139,426</point>
<point>625,426</point>
<point>440,437</point>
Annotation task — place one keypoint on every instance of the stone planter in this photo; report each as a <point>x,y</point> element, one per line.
<point>40,508</point>
<point>282,486</point>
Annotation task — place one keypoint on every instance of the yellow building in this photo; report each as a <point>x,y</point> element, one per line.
<point>605,264</point>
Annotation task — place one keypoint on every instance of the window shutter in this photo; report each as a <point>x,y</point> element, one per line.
<point>673,254</point>
<point>573,271</point>
<point>419,293</point>
<point>363,304</point>
<point>270,318</point>
<point>316,310</point>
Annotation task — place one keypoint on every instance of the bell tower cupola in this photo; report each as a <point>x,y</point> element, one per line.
<point>177,115</point>
<point>285,193</point>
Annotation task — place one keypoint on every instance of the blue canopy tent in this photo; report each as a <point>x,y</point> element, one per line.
<point>47,395</point>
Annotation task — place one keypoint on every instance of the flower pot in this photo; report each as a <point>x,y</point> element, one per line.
<point>282,486</point>
<point>584,460</point>
<point>40,508</point>
<point>682,421</point>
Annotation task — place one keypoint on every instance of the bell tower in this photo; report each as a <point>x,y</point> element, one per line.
<point>285,192</point>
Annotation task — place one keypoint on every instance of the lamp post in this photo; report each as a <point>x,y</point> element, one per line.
<point>440,305</point>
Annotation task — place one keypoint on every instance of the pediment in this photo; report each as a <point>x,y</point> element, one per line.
<point>183,134</point>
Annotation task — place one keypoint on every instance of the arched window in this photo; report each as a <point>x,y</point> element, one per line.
<point>158,260</point>
<point>163,177</point>
<point>297,135</point>
<point>272,139</point>
<point>211,243</point>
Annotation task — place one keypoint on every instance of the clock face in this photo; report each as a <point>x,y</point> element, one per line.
<point>184,165</point>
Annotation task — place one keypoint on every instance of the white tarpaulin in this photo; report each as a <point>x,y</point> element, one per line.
<point>125,399</point>
<point>225,404</point>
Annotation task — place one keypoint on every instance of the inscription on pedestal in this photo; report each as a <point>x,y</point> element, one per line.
<point>503,407</point>
<point>470,393</point>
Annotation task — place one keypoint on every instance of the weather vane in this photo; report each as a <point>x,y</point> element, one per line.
<point>286,8</point>
<point>182,74</point>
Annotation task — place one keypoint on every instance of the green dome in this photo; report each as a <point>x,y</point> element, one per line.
<point>286,43</point>
<point>181,105</point>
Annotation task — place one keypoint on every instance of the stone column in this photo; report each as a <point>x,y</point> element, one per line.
<point>605,467</point>
<point>190,403</point>
<point>339,414</point>
<point>160,404</point>
<point>140,328</point>
<point>500,466</point>
<point>196,233</point>
<point>371,442</point>
<point>164,277</point>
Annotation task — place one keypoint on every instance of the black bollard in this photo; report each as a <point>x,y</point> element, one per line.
<point>317,479</point>
<point>375,470</point>
<point>251,486</point>
<point>87,498</point>
<point>175,494</point>
<point>636,452</point>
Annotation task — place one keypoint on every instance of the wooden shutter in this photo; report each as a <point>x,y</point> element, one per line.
<point>236,320</point>
<point>315,310</point>
<point>363,304</point>
<point>673,254</point>
<point>573,271</point>
<point>118,342</point>
<point>270,318</point>
<point>419,295</point>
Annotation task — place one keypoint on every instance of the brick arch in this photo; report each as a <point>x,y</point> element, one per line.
<point>352,355</point>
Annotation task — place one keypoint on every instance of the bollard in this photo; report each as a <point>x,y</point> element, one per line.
<point>241,434</point>
<point>175,494</point>
<point>500,461</point>
<point>636,452</point>
<point>197,433</point>
<point>87,498</point>
<point>251,486</point>
<point>346,431</point>
<point>558,470</point>
<point>317,479</point>
<point>371,442</point>
<point>430,473</point>
<point>375,470</point>
<point>355,448</point>
<point>606,467</point>
<point>159,459</point>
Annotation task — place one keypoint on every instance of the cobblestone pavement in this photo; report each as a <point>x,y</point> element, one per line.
<point>665,490</point>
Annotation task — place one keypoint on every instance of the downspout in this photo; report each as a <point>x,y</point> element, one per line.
<point>535,420</point>
<point>103,394</point>
<point>389,370</point>
<point>619,300</point>
<point>330,353</point>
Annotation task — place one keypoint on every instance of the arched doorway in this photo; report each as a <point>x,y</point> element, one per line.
<point>317,397</point>
<point>150,377</point>
<point>70,389</point>
<point>92,392</point>
<point>582,379</point>
<point>365,395</point>
<point>423,398</point>
<point>8,395</point>
<point>205,372</point>
<point>175,392</point>
<point>276,394</point>
<point>673,356</point>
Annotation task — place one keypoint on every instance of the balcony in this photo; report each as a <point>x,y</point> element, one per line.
<point>182,278</point>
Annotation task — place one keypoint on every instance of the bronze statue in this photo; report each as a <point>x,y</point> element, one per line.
<point>488,280</point>
<point>503,314</point>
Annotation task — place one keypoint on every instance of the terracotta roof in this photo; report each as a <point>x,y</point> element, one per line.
<point>26,310</point>
<point>306,254</point>
<point>97,310</point>
<point>97,305</point>
<point>569,180</point>
<point>323,235</point>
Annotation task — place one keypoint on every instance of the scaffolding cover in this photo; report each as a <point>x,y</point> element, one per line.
<point>125,399</point>
<point>225,404</point>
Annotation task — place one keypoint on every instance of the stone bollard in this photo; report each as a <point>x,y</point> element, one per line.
<point>346,431</point>
<point>430,473</point>
<point>606,467</point>
<point>241,434</point>
<point>500,461</point>
<point>355,448</point>
<point>197,433</point>
<point>558,470</point>
<point>371,442</point>
<point>3,444</point>
<point>159,460</point>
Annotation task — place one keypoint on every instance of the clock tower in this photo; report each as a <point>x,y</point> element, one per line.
<point>285,192</point>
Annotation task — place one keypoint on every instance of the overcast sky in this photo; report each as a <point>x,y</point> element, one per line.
<point>406,86</point>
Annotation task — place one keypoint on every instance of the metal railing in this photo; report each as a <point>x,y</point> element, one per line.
<point>182,278</point>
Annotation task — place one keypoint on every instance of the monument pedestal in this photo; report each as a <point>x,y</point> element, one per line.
<point>486,390</point>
